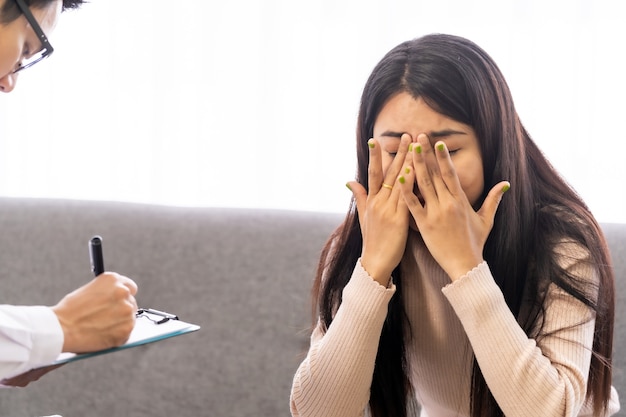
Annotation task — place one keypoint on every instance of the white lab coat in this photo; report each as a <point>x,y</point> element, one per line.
<point>30,336</point>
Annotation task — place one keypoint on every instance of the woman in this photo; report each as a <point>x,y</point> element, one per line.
<point>101,313</point>
<point>438,291</point>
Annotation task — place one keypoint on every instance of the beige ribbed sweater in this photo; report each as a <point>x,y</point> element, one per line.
<point>450,323</point>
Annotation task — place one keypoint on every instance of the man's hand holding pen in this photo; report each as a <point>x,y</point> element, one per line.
<point>98,315</point>
<point>101,314</point>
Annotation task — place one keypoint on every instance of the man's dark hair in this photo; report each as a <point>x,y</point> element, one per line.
<point>9,10</point>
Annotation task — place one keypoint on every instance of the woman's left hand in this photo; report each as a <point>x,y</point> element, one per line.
<point>453,231</point>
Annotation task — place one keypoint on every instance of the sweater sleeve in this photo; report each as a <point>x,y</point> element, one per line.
<point>30,336</point>
<point>547,376</point>
<point>335,377</point>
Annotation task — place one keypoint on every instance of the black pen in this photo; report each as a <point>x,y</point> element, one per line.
<point>95,254</point>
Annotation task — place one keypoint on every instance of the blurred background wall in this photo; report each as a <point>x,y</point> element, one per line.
<point>253,103</point>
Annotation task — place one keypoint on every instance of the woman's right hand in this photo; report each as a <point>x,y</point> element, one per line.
<point>383,214</point>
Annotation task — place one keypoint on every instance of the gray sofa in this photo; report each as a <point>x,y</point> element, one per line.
<point>243,275</point>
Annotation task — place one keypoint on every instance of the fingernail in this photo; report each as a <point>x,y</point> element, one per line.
<point>418,148</point>
<point>411,147</point>
<point>371,143</point>
<point>407,170</point>
<point>348,186</point>
<point>505,188</point>
<point>440,147</point>
<point>401,180</point>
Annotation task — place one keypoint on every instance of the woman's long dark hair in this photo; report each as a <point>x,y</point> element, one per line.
<point>458,79</point>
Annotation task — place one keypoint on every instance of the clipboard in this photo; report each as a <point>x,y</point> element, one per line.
<point>150,326</point>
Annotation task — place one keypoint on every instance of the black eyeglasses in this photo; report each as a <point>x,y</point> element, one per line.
<point>46,49</point>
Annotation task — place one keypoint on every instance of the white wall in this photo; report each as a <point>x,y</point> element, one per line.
<point>253,103</point>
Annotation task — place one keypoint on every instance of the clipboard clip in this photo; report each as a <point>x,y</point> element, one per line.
<point>155,316</point>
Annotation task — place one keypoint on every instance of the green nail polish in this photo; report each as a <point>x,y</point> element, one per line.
<point>401,180</point>
<point>407,170</point>
<point>418,148</point>
<point>348,186</point>
<point>505,188</point>
<point>371,144</point>
<point>440,147</point>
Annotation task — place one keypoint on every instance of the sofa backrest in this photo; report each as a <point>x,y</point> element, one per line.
<point>616,237</point>
<point>243,275</point>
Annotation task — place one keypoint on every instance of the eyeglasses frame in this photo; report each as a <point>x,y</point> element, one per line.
<point>45,44</point>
